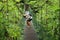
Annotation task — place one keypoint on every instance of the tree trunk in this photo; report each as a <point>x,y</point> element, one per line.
<point>29,33</point>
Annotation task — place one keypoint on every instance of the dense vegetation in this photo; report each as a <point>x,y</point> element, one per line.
<point>45,19</point>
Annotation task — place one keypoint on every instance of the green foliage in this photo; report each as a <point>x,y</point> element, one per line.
<point>45,18</point>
